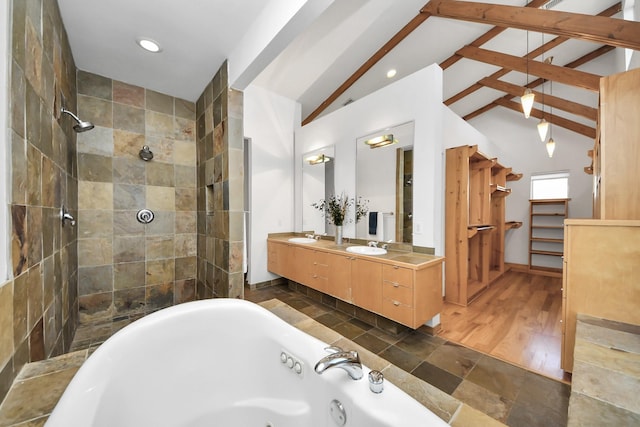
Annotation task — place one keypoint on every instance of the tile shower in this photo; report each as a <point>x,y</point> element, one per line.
<point>110,268</point>
<point>126,268</point>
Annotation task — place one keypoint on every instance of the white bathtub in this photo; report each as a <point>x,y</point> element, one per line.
<point>217,363</point>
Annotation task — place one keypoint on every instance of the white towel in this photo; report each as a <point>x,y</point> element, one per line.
<point>245,266</point>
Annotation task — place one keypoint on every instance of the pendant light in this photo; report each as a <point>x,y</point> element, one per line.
<point>551,144</point>
<point>543,126</point>
<point>528,97</point>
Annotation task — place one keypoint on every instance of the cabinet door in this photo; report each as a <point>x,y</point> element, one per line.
<point>302,265</point>
<point>339,276</point>
<point>366,284</point>
<point>278,259</point>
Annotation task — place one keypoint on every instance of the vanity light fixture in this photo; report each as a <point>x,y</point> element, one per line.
<point>381,141</point>
<point>317,159</point>
<point>391,73</point>
<point>148,44</point>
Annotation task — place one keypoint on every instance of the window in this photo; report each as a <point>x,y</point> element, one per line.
<point>550,185</point>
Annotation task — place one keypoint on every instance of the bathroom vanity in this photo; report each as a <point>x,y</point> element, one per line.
<point>405,287</point>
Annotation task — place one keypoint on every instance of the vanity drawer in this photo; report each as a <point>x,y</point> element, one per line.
<point>395,292</point>
<point>397,311</point>
<point>397,275</point>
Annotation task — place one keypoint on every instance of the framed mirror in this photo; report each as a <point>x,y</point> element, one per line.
<point>384,177</point>
<point>318,183</point>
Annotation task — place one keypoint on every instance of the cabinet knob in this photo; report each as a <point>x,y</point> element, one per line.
<point>395,284</point>
<point>396,267</point>
<point>396,303</point>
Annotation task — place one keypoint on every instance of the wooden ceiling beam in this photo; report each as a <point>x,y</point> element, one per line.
<point>597,29</point>
<point>486,37</point>
<point>535,53</point>
<point>573,64</point>
<point>558,74</point>
<point>547,99</point>
<point>388,46</point>
<point>576,127</point>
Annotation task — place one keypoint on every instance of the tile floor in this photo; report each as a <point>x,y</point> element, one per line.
<point>503,391</point>
<point>508,393</point>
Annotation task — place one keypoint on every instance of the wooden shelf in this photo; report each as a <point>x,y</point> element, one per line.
<point>510,225</point>
<point>546,239</point>
<point>550,253</point>
<point>514,176</point>
<point>546,233</point>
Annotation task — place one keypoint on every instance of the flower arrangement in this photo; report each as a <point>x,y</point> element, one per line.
<point>335,208</point>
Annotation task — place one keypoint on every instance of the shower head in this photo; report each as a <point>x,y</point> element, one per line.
<point>81,126</point>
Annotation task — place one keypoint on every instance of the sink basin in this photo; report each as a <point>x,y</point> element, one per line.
<point>302,240</point>
<point>366,250</point>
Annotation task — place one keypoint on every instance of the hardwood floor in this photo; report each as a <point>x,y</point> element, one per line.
<point>517,319</point>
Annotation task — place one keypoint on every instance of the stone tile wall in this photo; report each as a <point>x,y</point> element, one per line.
<point>127,268</point>
<point>220,157</point>
<point>38,307</point>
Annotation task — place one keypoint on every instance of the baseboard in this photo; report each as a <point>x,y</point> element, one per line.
<point>524,268</point>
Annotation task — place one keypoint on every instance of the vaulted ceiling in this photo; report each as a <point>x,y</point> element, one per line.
<point>489,52</point>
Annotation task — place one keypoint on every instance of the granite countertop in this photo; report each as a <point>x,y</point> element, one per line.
<point>397,254</point>
<point>606,374</point>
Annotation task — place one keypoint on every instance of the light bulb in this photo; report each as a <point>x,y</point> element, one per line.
<point>543,128</point>
<point>527,102</point>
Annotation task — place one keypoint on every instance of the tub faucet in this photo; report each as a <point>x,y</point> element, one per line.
<point>349,361</point>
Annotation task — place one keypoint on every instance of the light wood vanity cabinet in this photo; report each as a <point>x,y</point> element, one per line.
<point>410,296</point>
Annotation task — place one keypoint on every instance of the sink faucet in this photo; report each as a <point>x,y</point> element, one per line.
<point>349,361</point>
<point>373,244</point>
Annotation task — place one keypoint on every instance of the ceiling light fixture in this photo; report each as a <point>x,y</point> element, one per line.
<point>528,97</point>
<point>381,141</point>
<point>148,44</point>
<point>551,144</point>
<point>543,126</point>
<point>391,73</point>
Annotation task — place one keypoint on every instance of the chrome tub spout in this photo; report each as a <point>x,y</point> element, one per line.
<point>349,361</point>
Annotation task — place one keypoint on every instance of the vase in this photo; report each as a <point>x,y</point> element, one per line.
<point>338,236</point>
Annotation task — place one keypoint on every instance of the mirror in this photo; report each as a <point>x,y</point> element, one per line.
<point>317,183</point>
<point>384,177</point>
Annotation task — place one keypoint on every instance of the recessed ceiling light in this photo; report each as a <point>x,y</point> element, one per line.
<point>149,45</point>
<point>391,73</point>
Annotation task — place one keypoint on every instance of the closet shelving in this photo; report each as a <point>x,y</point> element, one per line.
<point>476,191</point>
<point>546,234</point>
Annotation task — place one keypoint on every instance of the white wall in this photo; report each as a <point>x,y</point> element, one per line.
<point>269,120</point>
<point>417,97</point>
<point>5,170</point>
